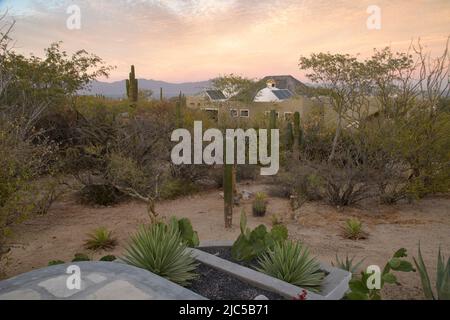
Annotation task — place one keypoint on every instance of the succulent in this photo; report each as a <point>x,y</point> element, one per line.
<point>160,249</point>
<point>100,239</point>
<point>442,278</point>
<point>291,262</point>
<point>251,243</point>
<point>187,233</point>
<point>259,206</point>
<point>353,229</point>
<point>347,264</point>
<point>228,194</point>
<point>132,86</point>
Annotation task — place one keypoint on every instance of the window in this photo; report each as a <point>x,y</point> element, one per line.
<point>234,113</point>
<point>245,113</point>
<point>267,114</point>
<point>288,115</point>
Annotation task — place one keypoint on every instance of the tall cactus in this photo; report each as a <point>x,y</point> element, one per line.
<point>289,136</point>
<point>272,125</point>
<point>132,86</point>
<point>178,107</point>
<point>298,132</point>
<point>161,97</point>
<point>298,135</point>
<point>228,194</point>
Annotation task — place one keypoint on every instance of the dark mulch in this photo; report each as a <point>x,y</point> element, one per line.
<point>225,253</point>
<point>217,285</point>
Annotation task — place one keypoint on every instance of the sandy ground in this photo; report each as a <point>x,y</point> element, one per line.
<point>61,233</point>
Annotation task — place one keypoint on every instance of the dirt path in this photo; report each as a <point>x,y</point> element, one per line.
<point>60,233</point>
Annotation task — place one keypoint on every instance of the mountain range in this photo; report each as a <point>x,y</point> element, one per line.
<point>117,89</point>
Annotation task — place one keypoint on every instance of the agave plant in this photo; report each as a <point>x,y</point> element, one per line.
<point>442,278</point>
<point>353,229</point>
<point>291,262</point>
<point>99,239</point>
<point>160,249</point>
<point>347,264</point>
<point>259,205</point>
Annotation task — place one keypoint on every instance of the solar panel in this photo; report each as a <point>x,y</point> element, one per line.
<point>216,95</point>
<point>282,94</point>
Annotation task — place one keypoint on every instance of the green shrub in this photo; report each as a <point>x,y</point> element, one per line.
<point>353,229</point>
<point>159,248</point>
<point>251,243</point>
<point>173,188</point>
<point>55,262</point>
<point>358,286</point>
<point>108,258</point>
<point>442,278</point>
<point>100,194</point>
<point>81,257</point>
<point>259,206</point>
<point>291,262</point>
<point>100,239</point>
<point>347,264</point>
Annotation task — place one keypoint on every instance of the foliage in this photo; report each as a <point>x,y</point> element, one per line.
<point>187,232</point>
<point>159,248</point>
<point>251,243</point>
<point>291,262</point>
<point>81,257</point>
<point>353,229</point>
<point>259,205</point>
<point>348,264</point>
<point>442,278</point>
<point>100,239</point>
<point>55,262</point>
<point>108,258</point>
<point>359,286</point>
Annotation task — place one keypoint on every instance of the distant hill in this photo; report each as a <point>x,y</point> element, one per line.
<point>117,89</point>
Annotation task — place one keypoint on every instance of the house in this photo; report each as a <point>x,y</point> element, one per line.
<point>272,94</point>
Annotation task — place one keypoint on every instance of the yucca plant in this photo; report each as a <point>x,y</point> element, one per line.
<point>291,262</point>
<point>259,206</point>
<point>100,239</point>
<point>347,264</point>
<point>353,229</point>
<point>442,278</point>
<point>160,249</point>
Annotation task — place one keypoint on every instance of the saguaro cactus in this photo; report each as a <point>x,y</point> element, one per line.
<point>272,125</point>
<point>161,97</point>
<point>228,194</point>
<point>178,106</point>
<point>298,135</point>
<point>289,136</point>
<point>298,132</point>
<point>132,86</point>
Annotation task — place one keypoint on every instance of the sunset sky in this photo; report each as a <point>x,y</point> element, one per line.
<point>190,40</point>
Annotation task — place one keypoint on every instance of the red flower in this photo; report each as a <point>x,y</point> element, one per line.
<point>301,296</point>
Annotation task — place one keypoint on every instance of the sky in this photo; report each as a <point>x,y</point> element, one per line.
<point>193,40</point>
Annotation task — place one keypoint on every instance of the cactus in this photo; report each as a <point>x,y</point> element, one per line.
<point>228,194</point>
<point>442,278</point>
<point>289,136</point>
<point>161,97</point>
<point>132,86</point>
<point>272,125</point>
<point>178,106</point>
<point>298,132</point>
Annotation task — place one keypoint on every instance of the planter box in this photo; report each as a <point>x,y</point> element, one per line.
<point>334,287</point>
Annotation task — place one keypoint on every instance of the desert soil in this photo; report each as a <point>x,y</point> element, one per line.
<point>61,233</point>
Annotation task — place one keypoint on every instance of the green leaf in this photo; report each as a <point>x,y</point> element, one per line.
<point>357,285</point>
<point>389,278</point>
<point>401,253</point>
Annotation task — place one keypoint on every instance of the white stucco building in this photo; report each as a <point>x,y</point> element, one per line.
<point>272,94</point>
